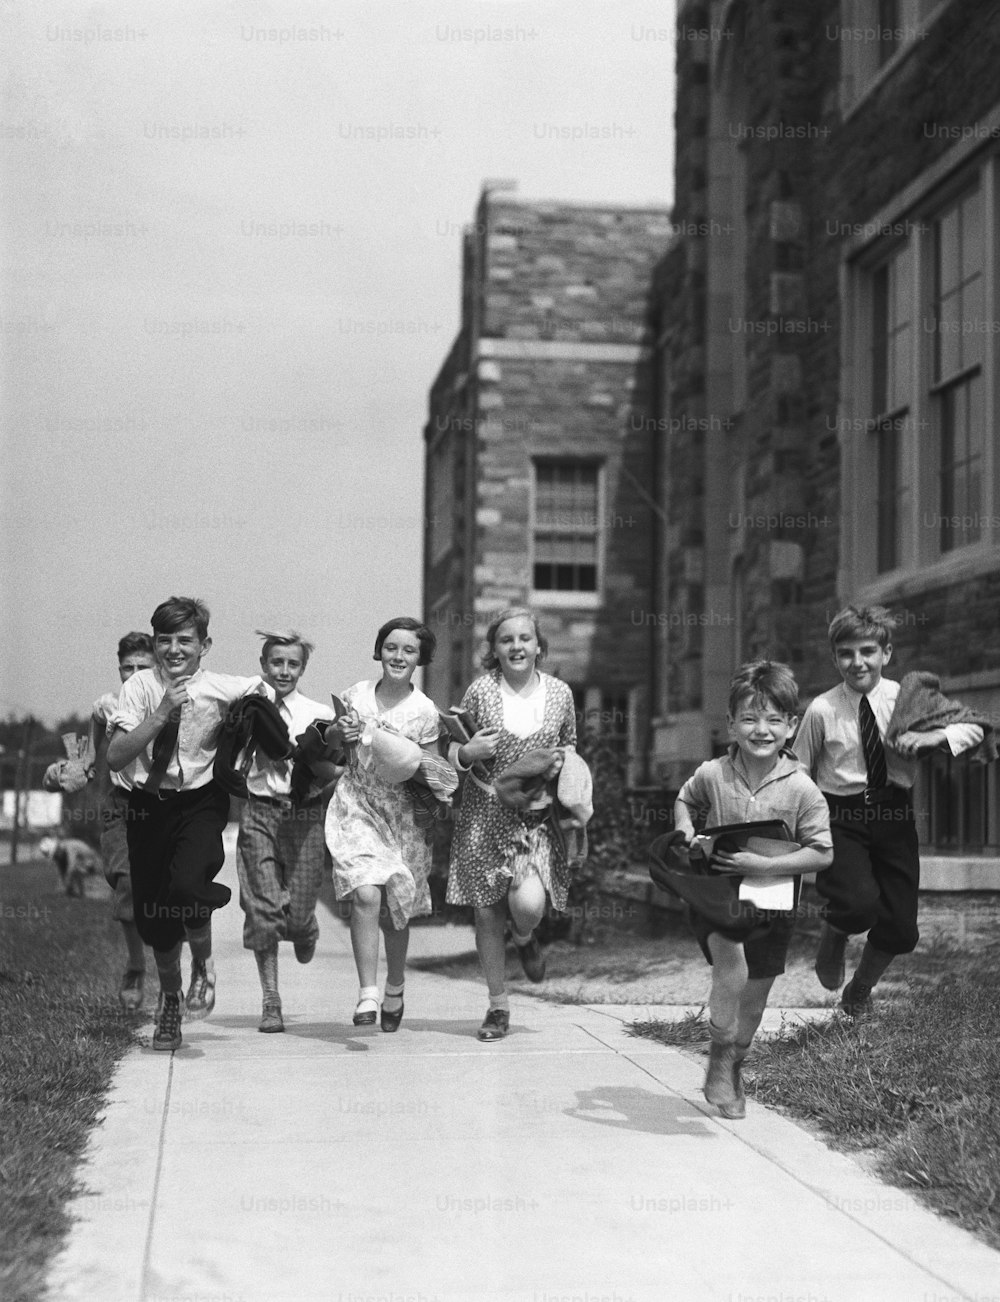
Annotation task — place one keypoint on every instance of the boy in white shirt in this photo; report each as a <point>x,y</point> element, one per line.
<point>281,851</point>
<point>874,881</point>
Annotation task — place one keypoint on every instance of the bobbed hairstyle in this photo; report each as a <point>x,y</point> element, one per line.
<point>177,612</point>
<point>134,644</point>
<point>284,637</point>
<point>862,621</point>
<point>423,634</point>
<point>765,685</point>
<point>490,659</point>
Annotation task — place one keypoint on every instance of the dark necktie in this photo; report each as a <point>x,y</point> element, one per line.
<point>163,749</point>
<point>871,744</point>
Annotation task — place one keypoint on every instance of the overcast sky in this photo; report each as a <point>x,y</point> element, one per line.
<point>230,274</point>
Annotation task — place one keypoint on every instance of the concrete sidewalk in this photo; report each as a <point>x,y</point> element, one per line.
<point>569,1161</point>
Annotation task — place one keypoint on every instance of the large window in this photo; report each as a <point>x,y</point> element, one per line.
<point>871,33</point>
<point>957,382</point>
<point>566,534</point>
<point>921,389</point>
<point>962,800</point>
<point>892,344</point>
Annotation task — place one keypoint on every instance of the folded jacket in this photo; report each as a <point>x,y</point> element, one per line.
<point>251,722</point>
<point>921,706</point>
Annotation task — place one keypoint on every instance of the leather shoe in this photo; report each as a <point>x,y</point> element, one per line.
<point>367,1016</point>
<point>390,1021</point>
<point>271,1020</point>
<point>495,1025</point>
<point>532,959</point>
<point>830,957</point>
<point>856,999</point>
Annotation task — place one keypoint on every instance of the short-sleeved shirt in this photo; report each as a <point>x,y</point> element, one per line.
<point>828,741</point>
<point>209,695</point>
<point>720,790</point>
<point>274,777</point>
<point>102,710</point>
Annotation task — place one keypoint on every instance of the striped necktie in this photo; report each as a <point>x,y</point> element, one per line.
<point>871,744</point>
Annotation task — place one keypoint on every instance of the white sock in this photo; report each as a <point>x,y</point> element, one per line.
<point>367,995</point>
<point>500,1001</point>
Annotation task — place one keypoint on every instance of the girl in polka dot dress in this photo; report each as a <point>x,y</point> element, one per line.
<point>505,860</point>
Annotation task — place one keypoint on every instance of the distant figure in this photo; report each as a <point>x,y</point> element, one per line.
<point>74,859</point>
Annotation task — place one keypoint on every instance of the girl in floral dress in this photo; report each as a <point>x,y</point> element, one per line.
<point>504,860</point>
<point>381,858</point>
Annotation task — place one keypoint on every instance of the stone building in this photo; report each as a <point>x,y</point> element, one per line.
<point>827,365</point>
<point>539,451</point>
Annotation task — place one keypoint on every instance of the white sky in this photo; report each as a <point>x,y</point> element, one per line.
<point>193,407</point>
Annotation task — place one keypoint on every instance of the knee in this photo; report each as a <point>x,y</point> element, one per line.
<point>367,898</point>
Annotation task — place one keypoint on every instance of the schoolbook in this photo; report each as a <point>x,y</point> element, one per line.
<point>769,837</point>
<point>462,728</point>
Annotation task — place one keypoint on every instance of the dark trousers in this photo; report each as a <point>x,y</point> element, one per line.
<point>175,851</point>
<point>873,881</point>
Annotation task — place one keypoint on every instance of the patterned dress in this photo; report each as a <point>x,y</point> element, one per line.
<point>371,831</point>
<point>494,847</point>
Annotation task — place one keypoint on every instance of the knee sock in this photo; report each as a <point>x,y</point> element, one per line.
<point>200,942</point>
<point>873,963</point>
<point>392,998</point>
<point>136,949</point>
<point>168,966</point>
<point>267,970</point>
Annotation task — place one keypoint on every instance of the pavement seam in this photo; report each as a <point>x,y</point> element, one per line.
<point>147,1249</point>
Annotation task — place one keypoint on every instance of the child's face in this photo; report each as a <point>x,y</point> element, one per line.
<point>860,661</point>
<point>400,653</point>
<point>760,731</point>
<point>133,662</point>
<point>282,668</point>
<point>179,654</point>
<point>516,645</point>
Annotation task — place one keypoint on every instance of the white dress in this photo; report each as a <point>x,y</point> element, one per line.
<point>371,831</point>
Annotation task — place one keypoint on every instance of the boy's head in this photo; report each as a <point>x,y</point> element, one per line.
<point>763,705</point>
<point>135,652</point>
<point>861,641</point>
<point>283,658</point>
<point>180,635</point>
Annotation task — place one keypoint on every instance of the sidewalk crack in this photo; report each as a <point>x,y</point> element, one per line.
<point>148,1245</point>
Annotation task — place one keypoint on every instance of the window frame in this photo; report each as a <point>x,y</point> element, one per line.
<point>582,598</point>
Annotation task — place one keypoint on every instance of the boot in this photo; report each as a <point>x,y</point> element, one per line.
<point>737,1110</point>
<point>719,1088</point>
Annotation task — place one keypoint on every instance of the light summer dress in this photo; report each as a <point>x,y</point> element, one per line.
<point>494,847</point>
<point>371,831</point>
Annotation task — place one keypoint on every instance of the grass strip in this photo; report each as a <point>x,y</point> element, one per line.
<point>916,1081</point>
<point>63,1031</point>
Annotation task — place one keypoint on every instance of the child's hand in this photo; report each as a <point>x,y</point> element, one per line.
<point>482,746</point>
<point>174,697</point>
<point>688,834</point>
<point>747,863</point>
<point>911,744</point>
<point>349,726</point>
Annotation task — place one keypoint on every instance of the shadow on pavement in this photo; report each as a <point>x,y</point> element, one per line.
<point>625,1107</point>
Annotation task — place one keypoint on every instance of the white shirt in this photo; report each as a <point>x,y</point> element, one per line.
<point>210,695</point>
<point>523,715</point>
<point>274,777</point>
<point>828,741</point>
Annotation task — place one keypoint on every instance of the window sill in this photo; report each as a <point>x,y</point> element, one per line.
<point>969,563</point>
<point>564,600</point>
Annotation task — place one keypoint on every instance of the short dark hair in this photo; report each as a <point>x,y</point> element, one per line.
<point>862,621</point>
<point>178,612</point>
<point>767,683</point>
<point>423,634</point>
<point>490,660</point>
<point>284,637</point>
<point>133,644</point>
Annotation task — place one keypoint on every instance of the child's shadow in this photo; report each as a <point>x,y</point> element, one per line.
<point>626,1107</point>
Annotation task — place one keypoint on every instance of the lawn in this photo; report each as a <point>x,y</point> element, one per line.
<point>913,1088</point>
<point>63,1031</point>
